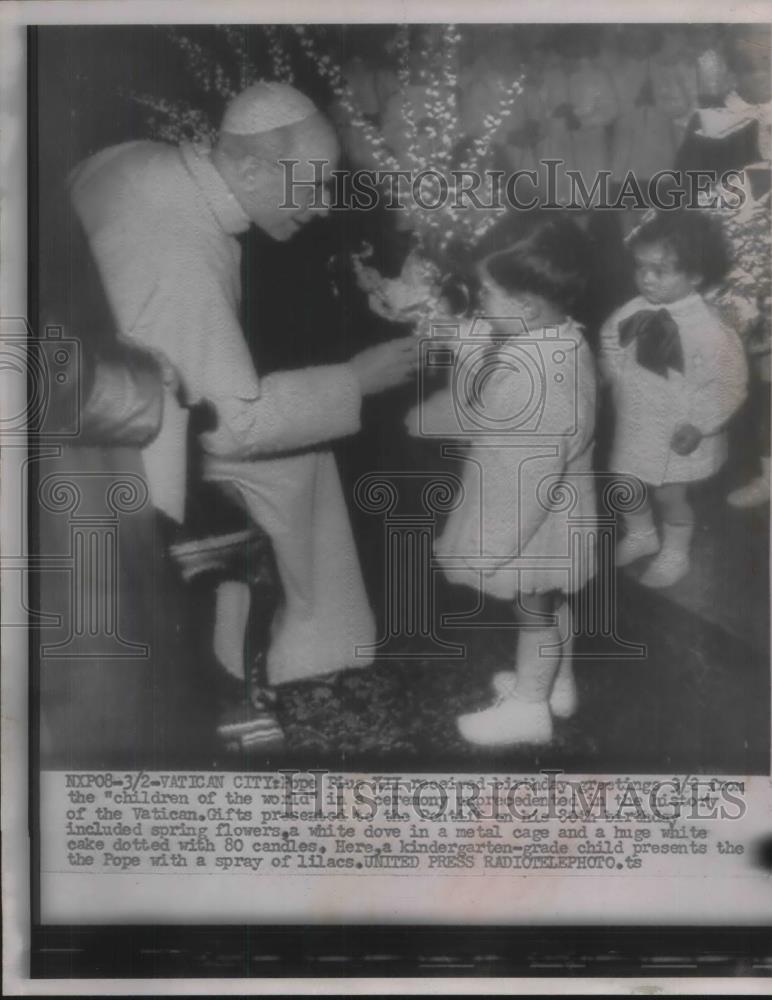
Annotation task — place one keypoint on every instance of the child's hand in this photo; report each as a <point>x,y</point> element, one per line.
<point>685,439</point>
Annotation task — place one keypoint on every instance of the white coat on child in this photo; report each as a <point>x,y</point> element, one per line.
<point>649,407</point>
<point>677,376</point>
<point>530,445</point>
<point>523,527</point>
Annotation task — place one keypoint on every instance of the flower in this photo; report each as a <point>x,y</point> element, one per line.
<point>405,298</point>
<point>741,295</point>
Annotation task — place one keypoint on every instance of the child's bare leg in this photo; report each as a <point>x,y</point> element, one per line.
<point>538,646</point>
<point>563,697</point>
<point>672,563</point>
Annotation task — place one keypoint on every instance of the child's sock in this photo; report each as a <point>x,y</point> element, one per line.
<point>672,563</point>
<point>641,538</point>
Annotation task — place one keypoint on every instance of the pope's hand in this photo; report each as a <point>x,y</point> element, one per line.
<point>386,365</point>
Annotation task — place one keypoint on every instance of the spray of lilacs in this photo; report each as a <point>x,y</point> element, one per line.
<point>431,135</point>
<point>432,132</point>
<point>213,80</point>
<point>744,297</point>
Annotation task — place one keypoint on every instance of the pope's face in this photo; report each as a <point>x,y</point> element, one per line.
<point>286,197</point>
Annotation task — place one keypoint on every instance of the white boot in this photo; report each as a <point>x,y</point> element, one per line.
<point>672,563</point>
<point>641,538</point>
<point>523,716</point>
<point>755,493</point>
<point>563,700</point>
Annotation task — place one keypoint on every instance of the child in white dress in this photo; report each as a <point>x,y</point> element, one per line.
<point>677,376</point>
<point>525,405</point>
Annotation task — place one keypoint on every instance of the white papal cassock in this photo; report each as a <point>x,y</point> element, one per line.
<point>162,226</point>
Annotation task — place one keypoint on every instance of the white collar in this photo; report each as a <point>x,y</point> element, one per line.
<point>219,197</point>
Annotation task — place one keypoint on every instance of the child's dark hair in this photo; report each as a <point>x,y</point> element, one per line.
<point>551,261</point>
<point>695,238</point>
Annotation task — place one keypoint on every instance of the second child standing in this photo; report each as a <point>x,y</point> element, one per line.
<point>677,376</point>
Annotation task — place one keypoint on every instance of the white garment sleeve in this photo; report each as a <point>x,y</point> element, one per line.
<point>192,318</point>
<point>436,417</point>
<point>295,409</point>
<point>721,393</point>
<point>610,353</point>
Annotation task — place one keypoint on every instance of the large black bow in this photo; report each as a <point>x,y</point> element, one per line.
<point>659,342</point>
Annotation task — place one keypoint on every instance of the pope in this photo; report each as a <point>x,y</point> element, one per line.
<point>162,223</point>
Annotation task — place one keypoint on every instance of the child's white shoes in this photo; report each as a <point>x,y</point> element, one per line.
<point>563,700</point>
<point>636,545</point>
<point>521,713</point>
<point>511,720</point>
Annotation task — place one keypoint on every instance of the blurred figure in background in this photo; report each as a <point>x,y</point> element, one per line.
<point>651,96</point>
<point>523,129</point>
<point>578,103</point>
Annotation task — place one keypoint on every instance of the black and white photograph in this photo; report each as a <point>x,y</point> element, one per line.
<point>398,403</point>
<point>283,567</point>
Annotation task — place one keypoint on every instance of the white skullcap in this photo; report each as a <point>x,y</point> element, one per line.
<point>265,106</point>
